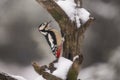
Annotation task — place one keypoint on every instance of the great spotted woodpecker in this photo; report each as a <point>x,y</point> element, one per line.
<point>53,37</point>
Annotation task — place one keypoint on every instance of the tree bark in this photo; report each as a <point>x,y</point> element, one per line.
<point>41,70</point>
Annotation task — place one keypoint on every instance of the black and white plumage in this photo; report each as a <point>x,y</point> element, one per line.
<point>53,38</point>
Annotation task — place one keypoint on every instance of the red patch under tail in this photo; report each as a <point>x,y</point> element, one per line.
<point>58,52</point>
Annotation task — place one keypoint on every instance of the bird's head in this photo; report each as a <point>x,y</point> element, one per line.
<point>44,26</point>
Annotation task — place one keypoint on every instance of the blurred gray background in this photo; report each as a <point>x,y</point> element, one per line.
<point>21,43</point>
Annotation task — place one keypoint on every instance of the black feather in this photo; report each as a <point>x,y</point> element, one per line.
<point>54,40</point>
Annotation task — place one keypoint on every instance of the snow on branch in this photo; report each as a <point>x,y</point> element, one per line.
<point>59,69</point>
<point>67,10</point>
<point>4,76</point>
<point>77,14</point>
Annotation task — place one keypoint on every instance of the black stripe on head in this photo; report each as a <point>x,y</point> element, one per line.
<point>42,26</point>
<point>48,40</point>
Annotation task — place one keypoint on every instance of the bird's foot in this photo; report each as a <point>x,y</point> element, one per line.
<point>56,60</point>
<point>51,67</point>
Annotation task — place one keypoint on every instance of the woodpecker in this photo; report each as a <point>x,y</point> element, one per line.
<point>53,37</point>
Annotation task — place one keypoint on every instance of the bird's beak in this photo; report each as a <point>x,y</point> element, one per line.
<point>48,23</point>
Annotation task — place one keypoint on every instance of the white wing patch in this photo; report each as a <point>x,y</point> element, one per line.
<point>51,40</point>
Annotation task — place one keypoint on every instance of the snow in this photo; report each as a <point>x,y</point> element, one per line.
<point>62,66</point>
<point>77,56</point>
<point>68,6</point>
<point>83,14</point>
<point>21,78</point>
<point>18,77</point>
<point>80,15</point>
<point>40,78</point>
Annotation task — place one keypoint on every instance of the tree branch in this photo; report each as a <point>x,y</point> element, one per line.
<point>4,76</point>
<point>83,27</point>
<point>42,71</point>
<point>75,68</point>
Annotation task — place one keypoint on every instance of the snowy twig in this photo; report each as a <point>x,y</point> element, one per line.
<point>42,71</point>
<point>51,6</point>
<point>83,27</point>
<point>73,72</point>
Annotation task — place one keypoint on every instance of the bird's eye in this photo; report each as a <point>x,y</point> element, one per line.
<point>43,24</point>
